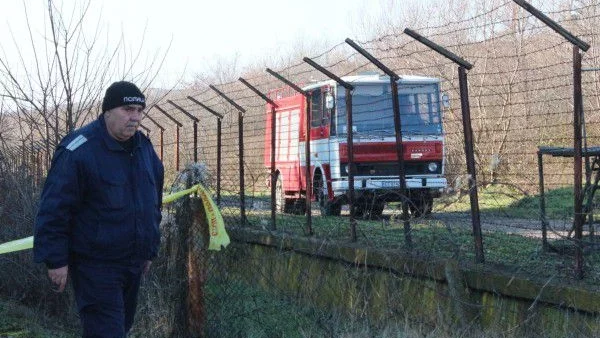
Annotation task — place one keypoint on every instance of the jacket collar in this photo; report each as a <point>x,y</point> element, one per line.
<point>110,142</point>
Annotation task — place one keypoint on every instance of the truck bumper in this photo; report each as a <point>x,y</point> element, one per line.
<point>374,184</point>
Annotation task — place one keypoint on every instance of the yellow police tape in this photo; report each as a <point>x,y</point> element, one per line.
<point>218,235</point>
<point>19,244</point>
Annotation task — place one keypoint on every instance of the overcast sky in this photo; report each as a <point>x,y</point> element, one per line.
<point>203,32</point>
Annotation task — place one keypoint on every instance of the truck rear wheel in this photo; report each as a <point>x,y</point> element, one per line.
<point>281,203</point>
<point>298,206</point>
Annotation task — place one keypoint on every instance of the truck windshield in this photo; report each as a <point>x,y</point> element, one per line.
<point>372,111</point>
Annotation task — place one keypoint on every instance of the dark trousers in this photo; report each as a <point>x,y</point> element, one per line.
<point>106,297</point>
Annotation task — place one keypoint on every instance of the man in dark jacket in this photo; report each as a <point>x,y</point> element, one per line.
<point>99,213</point>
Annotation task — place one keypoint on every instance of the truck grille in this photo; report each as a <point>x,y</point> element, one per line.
<point>391,169</point>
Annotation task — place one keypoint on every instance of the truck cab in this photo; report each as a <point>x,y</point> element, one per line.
<point>375,166</point>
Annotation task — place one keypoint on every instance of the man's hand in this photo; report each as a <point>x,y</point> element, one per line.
<point>146,267</point>
<point>59,277</point>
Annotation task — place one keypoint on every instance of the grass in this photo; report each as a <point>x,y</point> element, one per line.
<point>17,321</point>
<point>261,314</point>
<point>511,202</point>
<point>432,240</point>
<point>268,312</point>
<point>448,233</point>
<point>264,314</point>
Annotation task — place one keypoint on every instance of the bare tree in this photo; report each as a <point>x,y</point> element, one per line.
<point>50,83</point>
<point>56,82</point>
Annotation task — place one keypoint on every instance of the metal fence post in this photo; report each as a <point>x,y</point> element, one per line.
<point>542,201</point>
<point>219,147</point>
<point>468,136</point>
<point>195,121</point>
<point>241,112</point>
<point>469,153</point>
<point>349,139</point>
<point>398,131</point>
<point>179,125</point>
<point>308,188</point>
<point>273,136</point>
<point>162,131</point>
<point>578,108</point>
<point>577,163</point>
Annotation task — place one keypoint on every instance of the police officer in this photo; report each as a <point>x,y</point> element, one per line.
<point>99,213</point>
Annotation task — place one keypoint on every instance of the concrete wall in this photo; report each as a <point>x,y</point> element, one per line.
<point>386,286</point>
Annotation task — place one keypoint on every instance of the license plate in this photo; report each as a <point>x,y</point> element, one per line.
<point>387,184</point>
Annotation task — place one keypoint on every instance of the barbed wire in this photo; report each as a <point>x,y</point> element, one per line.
<point>521,98</point>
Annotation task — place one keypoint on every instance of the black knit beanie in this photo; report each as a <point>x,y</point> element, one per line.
<point>122,93</point>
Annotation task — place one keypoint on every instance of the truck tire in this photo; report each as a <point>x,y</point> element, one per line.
<point>368,210</point>
<point>298,206</point>
<point>421,206</point>
<point>377,210</point>
<point>359,210</point>
<point>327,207</point>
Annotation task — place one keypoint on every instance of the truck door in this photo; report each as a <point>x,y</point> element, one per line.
<point>319,124</point>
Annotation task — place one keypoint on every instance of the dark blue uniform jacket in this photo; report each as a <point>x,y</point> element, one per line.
<point>100,203</point>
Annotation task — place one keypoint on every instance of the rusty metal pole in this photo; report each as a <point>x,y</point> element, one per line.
<point>578,45</point>
<point>162,135</point>
<point>468,135</point>
<point>542,201</point>
<point>195,142</point>
<point>160,127</point>
<point>350,137</point>
<point>577,163</point>
<point>307,147</point>
<point>308,170</point>
<point>177,149</point>
<point>241,112</point>
<point>219,118</point>
<point>197,264</point>
<point>350,142</point>
<point>178,124</point>
<point>273,149</point>
<point>400,155</point>
<point>241,167</point>
<point>470,156</point>
<point>273,173</point>
<point>398,130</point>
<point>219,150</point>
<point>195,120</point>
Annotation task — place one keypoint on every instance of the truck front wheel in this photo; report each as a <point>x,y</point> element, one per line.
<point>421,206</point>
<point>327,207</point>
<point>369,210</point>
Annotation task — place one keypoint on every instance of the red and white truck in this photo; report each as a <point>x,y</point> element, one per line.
<point>376,179</point>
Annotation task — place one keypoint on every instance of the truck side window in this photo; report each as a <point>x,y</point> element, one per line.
<point>316,104</point>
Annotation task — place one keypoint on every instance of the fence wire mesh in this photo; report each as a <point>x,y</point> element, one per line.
<point>521,95</point>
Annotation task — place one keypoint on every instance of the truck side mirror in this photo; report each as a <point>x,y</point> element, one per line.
<point>329,101</point>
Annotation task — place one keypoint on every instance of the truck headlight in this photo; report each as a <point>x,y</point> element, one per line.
<point>432,166</point>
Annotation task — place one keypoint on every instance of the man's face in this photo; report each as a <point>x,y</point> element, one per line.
<point>123,121</point>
